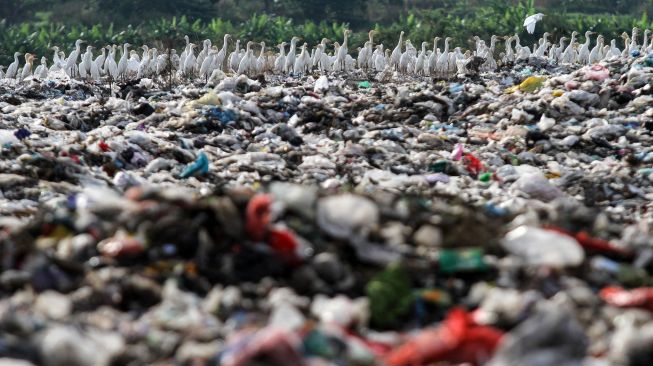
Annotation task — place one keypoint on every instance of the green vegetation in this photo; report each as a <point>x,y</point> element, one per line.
<point>460,20</point>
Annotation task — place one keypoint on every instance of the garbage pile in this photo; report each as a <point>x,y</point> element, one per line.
<point>499,219</point>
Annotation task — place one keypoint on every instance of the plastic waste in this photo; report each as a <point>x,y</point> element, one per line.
<point>199,167</point>
<point>636,298</point>
<point>530,85</point>
<point>321,84</point>
<point>539,247</point>
<point>549,337</point>
<point>462,260</point>
<point>390,295</point>
<point>457,340</point>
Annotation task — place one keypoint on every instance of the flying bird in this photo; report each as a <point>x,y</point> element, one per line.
<point>530,22</point>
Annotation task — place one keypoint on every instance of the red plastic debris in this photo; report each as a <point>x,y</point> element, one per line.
<point>103,146</point>
<point>274,345</point>
<point>473,164</point>
<point>121,246</point>
<point>284,244</point>
<point>258,216</point>
<point>637,298</point>
<point>458,340</point>
<point>593,244</point>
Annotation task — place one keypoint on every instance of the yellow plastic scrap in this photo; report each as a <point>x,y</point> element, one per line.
<point>209,98</point>
<point>557,93</point>
<point>529,85</point>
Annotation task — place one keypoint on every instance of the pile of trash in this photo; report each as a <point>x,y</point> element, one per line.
<point>499,219</point>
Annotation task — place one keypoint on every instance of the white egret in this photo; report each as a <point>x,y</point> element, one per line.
<point>343,51</point>
<point>87,59</point>
<point>543,46</point>
<point>71,62</point>
<point>95,70</point>
<point>280,62</point>
<point>205,68</point>
<point>27,69</point>
<point>56,61</point>
<point>111,68</point>
<point>529,22</point>
<point>124,59</point>
<point>243,66</point>
<point>433,57</point>
<point>99,61</point>
<point>234,57</point>
<point>12,70</point>
<point>633,42</point>
<point>363,55</point>
<point>421,59</point>
<point>145,62</point>
<point>627,43</point>
<point>442,65</point>
<point>584,52</point>
<point>218,60</point>
<point>644,47</point>
<point>184,53</point>
<point>261,64</point>
<point>595,54</point>
<point>569,54</point>
<point>206,47</point>
<point>300,62</point>
<point>154,59</point>
<point>41,70</point>
<point>396,53</point>
<point>290,57</point>
<point>379,59</point>
<point>189,63</point>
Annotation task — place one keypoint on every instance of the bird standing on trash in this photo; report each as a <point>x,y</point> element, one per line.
<point>530,22</point>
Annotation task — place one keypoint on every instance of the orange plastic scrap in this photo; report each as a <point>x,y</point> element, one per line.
<point>637,298</point>
<point>457,340</point>
<point>258,216</point>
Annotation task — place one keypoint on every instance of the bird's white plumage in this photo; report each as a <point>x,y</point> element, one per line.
<point>530,22</point>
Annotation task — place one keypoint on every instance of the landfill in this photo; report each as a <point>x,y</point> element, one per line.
<point>496,218</point>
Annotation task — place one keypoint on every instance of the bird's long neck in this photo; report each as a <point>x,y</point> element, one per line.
<point>446,46</point>
<point>587,40</point>
<point>435,45</point>
<point>401,40</point>
<point>344,42</point>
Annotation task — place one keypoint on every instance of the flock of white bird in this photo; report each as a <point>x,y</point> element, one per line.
<point>212,61</point>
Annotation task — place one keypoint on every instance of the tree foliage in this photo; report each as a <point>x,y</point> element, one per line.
<point>461,20</point>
